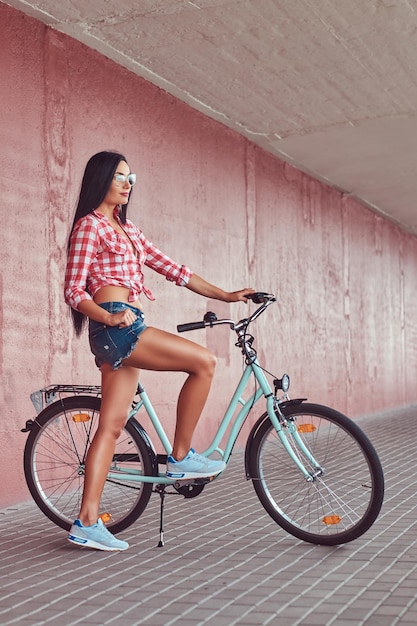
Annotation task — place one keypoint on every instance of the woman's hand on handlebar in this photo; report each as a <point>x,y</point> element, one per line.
<point>240,296</point>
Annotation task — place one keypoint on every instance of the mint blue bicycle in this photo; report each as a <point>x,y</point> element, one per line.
<point>314,470</point>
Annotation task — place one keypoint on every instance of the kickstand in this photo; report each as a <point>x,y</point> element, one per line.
<point>161,490</point>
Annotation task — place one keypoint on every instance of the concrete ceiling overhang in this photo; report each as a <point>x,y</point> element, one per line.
<point>329,86</point>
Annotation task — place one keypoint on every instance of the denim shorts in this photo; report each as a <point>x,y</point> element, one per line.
<point>111,344</point>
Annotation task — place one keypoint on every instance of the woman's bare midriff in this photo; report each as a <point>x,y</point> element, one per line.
<point>111,293</point>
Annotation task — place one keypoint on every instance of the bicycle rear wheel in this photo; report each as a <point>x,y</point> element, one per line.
<point>343,498</point>
<point>54,460</point>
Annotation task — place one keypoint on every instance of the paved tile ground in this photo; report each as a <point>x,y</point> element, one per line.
<point>224,562</point>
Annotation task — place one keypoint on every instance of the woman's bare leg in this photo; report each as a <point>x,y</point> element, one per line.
<point>117,392</point>
<point>161,351</point>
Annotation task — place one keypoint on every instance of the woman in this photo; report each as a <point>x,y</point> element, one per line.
<point>104,283</point>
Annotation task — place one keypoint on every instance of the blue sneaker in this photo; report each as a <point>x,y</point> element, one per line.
<point>96,536</point>
<point>193,466</point>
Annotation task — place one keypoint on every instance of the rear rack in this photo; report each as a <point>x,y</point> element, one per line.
<point>41,398</point>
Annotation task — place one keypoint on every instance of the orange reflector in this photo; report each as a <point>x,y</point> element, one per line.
<point>81,417</point>
<point>105,517</point>
<point>306,428</point>
<point>329,520</point>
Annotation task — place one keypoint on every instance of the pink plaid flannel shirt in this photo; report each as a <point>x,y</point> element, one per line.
<point>100,256</point>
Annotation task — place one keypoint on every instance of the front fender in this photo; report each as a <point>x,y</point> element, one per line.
<point>257,426</point>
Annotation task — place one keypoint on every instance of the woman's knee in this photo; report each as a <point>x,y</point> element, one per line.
<point>206,363</point>
<point>112,426</point>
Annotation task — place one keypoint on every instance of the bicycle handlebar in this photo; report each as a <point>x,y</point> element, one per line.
<point>210,319</point>
<point>183,328</point>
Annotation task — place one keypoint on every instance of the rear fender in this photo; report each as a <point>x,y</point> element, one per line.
<point>149,445</point>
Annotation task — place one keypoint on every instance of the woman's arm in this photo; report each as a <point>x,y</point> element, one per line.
<point>82,250</point>
<point>203,288</point>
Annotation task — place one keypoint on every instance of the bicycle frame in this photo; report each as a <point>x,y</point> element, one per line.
<point>228,420</point>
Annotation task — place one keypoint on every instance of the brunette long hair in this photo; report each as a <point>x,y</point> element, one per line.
<point>98,177</point>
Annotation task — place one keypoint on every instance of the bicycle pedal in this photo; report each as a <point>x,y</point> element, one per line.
<point>193,481</point>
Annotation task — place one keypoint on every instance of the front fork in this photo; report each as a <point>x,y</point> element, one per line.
<point>285,427</point>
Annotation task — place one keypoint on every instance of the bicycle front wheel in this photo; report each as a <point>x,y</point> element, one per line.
<point>343,496</point>
<point>54,465</point>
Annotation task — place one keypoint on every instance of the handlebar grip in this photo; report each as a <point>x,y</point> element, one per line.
<point>259,297</point>
<point>183,328</point>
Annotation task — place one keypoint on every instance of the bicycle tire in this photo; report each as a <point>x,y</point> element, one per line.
<point>334,508</point>
<point>54,458</point>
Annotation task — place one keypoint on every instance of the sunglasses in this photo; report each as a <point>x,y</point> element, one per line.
<point>121,179</point>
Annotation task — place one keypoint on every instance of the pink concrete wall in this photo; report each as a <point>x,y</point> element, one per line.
<point>346,327</point>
